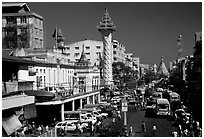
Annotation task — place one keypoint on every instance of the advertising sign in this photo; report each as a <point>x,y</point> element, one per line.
<point>124,105</point>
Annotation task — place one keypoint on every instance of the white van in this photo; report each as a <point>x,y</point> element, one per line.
<point>162,107</point>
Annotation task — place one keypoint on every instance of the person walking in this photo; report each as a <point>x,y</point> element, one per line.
<point>130,131</point>
<point>154,129</point>
<point>40,130</point>
<point>144,129</point>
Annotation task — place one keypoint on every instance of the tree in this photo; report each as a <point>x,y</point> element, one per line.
<point>123,75</point>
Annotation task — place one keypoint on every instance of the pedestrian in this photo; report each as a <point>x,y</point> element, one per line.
<point>30,131</point>
<point>154,129</point>
<point>144,129</point>
<point>175,134</point>
<point>180,132</point>
<point>130,131</point>
<point>39,130</point>
<point>46,128</point>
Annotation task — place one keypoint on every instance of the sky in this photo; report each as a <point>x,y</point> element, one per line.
<point>149,30</point>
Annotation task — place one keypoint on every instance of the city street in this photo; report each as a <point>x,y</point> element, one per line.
<point>135,118</point>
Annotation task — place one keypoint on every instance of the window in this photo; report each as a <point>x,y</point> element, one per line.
<point>114,52</point>
<point>98,53</point>
<point>87,53</point>
<point>76,48</point>
<point>23,30</point>
<point>98,47</point>
<point>114,46</point>
<point>76,54</point>
<point>68,48</point>
<point>44,70</point>
<point>114,58</point>
<point>23,19</point>
<point>68,54</point>
<point>87,47</point>
<point>36,40</point>
<point>11,20</point>
<point>37,70</point>
<point>40,70</point>
<point>41,42</point>
<point>68,60</point>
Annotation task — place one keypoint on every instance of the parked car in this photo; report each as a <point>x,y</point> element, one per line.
<point>88,117</point>
<point>66,126</point>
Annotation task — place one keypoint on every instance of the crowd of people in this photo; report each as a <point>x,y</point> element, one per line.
<point>186,126</point>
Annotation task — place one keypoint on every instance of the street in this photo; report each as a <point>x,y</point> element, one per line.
<point>135,118</point>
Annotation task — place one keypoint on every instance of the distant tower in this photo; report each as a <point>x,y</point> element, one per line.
<point>179,47</point>
<point>107,28</point>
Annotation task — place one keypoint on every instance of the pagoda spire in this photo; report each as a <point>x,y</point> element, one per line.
<point>106,23</point>
<point>83,57</point>
<point>162,68</point>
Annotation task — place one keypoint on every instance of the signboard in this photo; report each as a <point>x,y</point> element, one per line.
<point>124,105</point>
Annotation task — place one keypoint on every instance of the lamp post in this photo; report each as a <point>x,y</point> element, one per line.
<point>125,109</point>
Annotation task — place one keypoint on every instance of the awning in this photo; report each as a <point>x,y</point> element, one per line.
<point>11,124</point>
<point>40,94</point>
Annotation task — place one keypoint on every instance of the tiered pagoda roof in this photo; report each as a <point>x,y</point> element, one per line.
<point>83,61</point>
<point>107,23</point>
<point>162,68</point>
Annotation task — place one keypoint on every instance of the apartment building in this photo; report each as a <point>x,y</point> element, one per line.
<point>129,60</point>
<point>21,28</point>
<point>92,50</point>
<point>118,52</point>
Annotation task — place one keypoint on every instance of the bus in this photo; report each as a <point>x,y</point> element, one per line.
<point>162,107</point>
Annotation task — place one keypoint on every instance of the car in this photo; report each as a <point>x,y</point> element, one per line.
<point>131,101</point>
<point>61,125</point>
<point>100,115</point>
<point>88,117</point>
<point>71,126</point>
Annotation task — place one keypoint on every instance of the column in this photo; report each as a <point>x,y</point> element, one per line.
<point>93,99</point>
<point>88,102</point>
<point>73,105</point>
<point>99,98</point>
<point>80,103</point>
<point>62,112</point>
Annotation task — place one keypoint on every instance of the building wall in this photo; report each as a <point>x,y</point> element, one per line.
<point>52,76</point>
<point>92,49</point>
<point>27,23</point>
<point>118,52</point>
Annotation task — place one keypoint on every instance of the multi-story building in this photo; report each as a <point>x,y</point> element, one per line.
<point>16,78</point>
<point>118,52</point>
<point>143,68</point>
<point>92,50</point>
<point>21,28</point>
<point>129,60</point>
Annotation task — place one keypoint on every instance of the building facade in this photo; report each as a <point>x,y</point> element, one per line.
<point>93,49</point>
<point>118,52</point>
<point>21,28</point>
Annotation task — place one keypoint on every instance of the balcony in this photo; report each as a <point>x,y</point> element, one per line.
<point>13,95</point>
<point>16,101</point>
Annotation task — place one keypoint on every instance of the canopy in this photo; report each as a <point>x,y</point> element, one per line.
<point>40,94</point>
<point>11,124</point>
